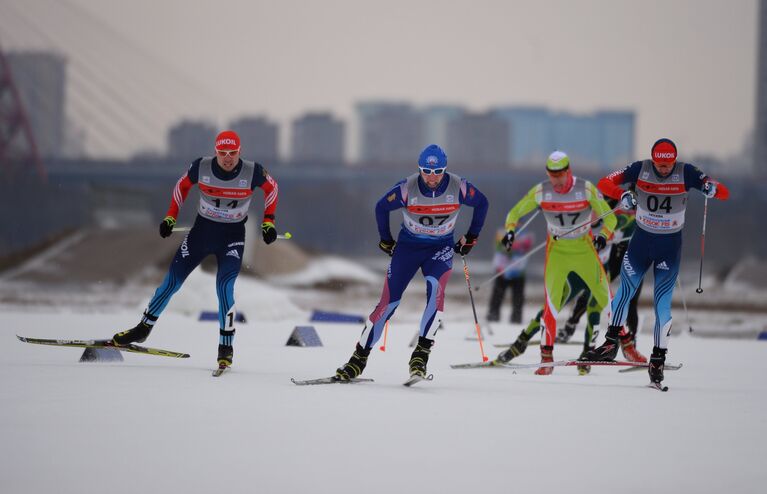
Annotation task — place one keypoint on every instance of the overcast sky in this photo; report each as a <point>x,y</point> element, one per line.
<point>687,67</point>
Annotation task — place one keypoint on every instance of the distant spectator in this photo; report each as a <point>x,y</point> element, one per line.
<point>513,278</point>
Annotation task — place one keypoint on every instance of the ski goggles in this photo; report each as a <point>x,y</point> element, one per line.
<point>435,171</point>
<point>227,153</point>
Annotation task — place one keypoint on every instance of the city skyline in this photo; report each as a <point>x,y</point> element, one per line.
<point>697,86</point>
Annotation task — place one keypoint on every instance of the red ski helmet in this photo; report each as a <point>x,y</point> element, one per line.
<point>663,151</point>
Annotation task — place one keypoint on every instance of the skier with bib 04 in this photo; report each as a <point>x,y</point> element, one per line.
<point>657,188</point>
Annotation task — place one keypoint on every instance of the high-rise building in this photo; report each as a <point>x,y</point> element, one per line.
<point>600,140</point>
<point>190,139</point>
<point>530,133</point>
<point>317,138</point>
<point>617,131</point>
<point>40,78</point>
<point>478,139</point>
<point>579,136</point>
<point>436,119</point>
<point>389,132</point>
<point>259,137</point>
<point>760,133</point>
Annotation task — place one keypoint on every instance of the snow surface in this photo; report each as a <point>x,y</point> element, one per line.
<point>154,424</point>
<point>325,268</point>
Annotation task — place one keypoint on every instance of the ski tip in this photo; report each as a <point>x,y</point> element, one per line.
<point>658,386</point>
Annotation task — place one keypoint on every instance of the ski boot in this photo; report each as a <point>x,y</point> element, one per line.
<point>630,352</point>
<point>356,364</point>
<point>657,363</point>
<point>493,317</point>
<point>547,355</point>
<point>584,370</point>
<point>420,357</point>
<point>606,351</point>
<point>564,334</point>
<point>137,334</point>
<point>225,356</point>
<point>515,350</point>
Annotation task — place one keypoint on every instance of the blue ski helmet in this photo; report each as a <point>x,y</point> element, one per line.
<point>432,157</point>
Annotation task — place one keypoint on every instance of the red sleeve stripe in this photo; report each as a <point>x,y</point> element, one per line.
<point>180,191</point>
<point>722,192</point>
<point>271,191</point>
<point>610,185</point>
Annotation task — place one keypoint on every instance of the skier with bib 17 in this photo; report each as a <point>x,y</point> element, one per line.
<point>430,201</point>
<point>226,184</point>
<point>567,202</point>
<point>657,188</point>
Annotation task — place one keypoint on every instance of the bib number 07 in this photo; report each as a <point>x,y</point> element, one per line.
<point>429,220</point>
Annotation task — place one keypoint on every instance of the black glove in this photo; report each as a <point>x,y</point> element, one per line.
<point>387,246</point>
<point>166,227</point>
<point>508,240</point>
<point>464,246</point>
<point>600,242</point>
<point>268,232</point>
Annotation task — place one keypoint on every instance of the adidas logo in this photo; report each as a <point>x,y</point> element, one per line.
<point>236,254</point>
<point>663,266</point>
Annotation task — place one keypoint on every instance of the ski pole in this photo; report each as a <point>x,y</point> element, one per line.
<point>684,303</point>
<point>524,225</point>
<point>585,223</point>
<point>474,309</point>
<point>386,331</point>
<point>181,229</point>
<point>511,265</point>
<point>702,245</point>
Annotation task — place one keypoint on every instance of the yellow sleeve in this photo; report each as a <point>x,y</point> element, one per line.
<point>600,206</point>
<point>526,205</point>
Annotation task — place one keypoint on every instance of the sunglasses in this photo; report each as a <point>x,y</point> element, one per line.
<point>227,153</point>
<point>435,171</point>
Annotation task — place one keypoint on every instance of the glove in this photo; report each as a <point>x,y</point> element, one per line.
<point>268,232</point>
<point>628,200</point>
<point>464,246</point>
<point>508,240</point>
<point>600,242</point>
<point>387,246</point>
<point>166,227</point>
<point>709,189</point>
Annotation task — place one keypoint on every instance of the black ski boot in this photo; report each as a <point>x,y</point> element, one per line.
<point>607,350</point>
<point>515,350</point>
<point>420,357</point>
<point>657,363</point>
<point>564,334</point>
<point>137,334</point>
<point>225,356</point>
<point>356,364</point>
